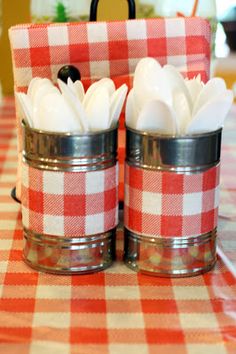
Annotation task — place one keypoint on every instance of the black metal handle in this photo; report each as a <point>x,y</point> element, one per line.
<point>94,9</point>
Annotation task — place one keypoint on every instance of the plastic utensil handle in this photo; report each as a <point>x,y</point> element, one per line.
<point>94,8</point>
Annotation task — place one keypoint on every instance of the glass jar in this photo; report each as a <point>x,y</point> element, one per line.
<point>59,10</point>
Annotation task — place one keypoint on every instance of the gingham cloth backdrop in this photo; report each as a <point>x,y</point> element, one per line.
<point>116,311</point>
<point>167,204</point>
<point>69,204</point>
<point>108,49</point>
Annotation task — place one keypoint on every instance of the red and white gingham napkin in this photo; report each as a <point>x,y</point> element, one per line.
<point>108,49</point>
<point>166,204</point>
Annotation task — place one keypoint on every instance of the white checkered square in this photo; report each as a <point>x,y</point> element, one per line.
<point>53,292</point>
<point>217,348</point>
<point>3,267</point>
<point>5,245</point>
<point>97,33</point>
<point>217,198</point>
<point>100,68</point>
<point>127,194</point>
<point>125,320</point>
<point>124,293</point>
<point>39,347</point>
<point>128,348</point>
<point>25,217</point>
<point>51,319</point>
<point>23,76</point>
<point>192,203</point>
<point>53,182</point>
<point>20,39</point>
<point>175,27</point>
<point>25,175</point>
<point>53,225</point>
<point>179,61</point>
<point>152,203</point>
<point>193,293</point>
<point>58,35</point>
<point>136,29</point>
<point>95,182</point>
<point>198,320</point>
<point>94,224</point>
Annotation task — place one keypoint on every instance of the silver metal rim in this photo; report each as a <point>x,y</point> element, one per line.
<point>70,248</point>
<point>135,243</point>
<point>69,152</point>
<point>184,154</point>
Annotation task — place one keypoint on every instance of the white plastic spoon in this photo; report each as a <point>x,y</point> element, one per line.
<point>77,88</point>
<point>131,114</point>
<point>176,81</point>
<point>105,82</point>
<point>97,109</point>
<point>194,87</point>
<point>56,115</point>
<point>212,115</point>
<point>75,105</point>
<point>116,105</point>
<point>26,108</point>
<point>157,117</point>
<point>213,88</point>
<point>181,108</point>
<point>150,83</point>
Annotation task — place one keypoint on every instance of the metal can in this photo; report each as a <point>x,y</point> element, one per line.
<point>69,200</point>
<point>171,202</point>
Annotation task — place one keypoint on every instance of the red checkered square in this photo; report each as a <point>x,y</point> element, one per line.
<point>110,199</point>
<point>161,43</point>
<point>79,52</point>
<point>40,56</point>
<point>36,201</point>
<point>210,179</point>
<point>135,178</point>
<point>196,44</point>
<point>172,183</point>
<point>171,226</point>
<point>118,51</point>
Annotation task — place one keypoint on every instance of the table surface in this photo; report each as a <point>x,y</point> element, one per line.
<point>116,311</point>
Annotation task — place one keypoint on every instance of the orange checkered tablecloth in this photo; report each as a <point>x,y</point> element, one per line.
<point>116,311</point>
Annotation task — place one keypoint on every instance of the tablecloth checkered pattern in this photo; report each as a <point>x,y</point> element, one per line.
<point>109,49</point>
<point>116,311</point>
<point>167,204</point>
<point>69,204</point>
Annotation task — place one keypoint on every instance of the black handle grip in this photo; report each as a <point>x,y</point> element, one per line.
<point>94,10</point>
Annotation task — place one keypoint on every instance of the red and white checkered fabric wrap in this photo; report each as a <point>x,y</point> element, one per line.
<point>108,49</point>
<point>167,204</point>
<point>69,204</point>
